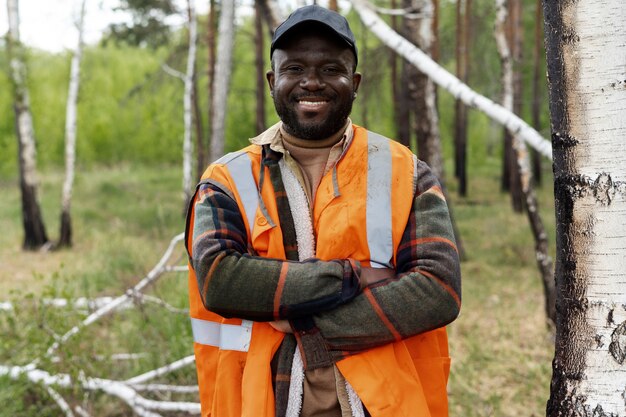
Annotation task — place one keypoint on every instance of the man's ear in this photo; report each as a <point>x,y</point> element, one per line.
<point>270,80</point>
<point>356,81</point>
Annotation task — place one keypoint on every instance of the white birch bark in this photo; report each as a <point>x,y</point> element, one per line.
<point>187,102</point>
<point>24,117</point>
<point>429,121</point>
<point>34,230</point>
<point>544,261</point>
<point>226,39</point>
<point>586,51</point>
<point>448,81</point>
<point>71,112</point>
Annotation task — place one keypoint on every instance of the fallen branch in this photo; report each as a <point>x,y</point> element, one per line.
<point>140,405</point>
<point>116,303</point>
<point>448,81</point>
<point>162,371</point>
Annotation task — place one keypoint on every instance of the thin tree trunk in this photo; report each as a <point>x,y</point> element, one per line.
<point>211,43</point>
<point>586,51</point>
<point>188,103</point>
<point>35,235</point>
<point>199,127</point>
<point>426,115</point>
<point>502,43</point>
<point>405,102</point>
<point>260,69</point>
<point>222,77</point>
<point>515,42</point>
<point>537,99</point>
<point>520,154</point>
<point>460,124</point>
<point>272,14</point>
<point>332,5</point>
<point>363,60</point>
<point>393,66</point>
<point>65,236</point>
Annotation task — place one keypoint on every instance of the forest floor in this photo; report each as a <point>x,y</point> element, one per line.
<point>124,218</point>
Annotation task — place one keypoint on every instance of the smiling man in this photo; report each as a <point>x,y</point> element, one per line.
<point>323,267</point>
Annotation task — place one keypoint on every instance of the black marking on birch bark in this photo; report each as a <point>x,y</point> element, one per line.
<point>617,348</point>
<point>609,318</point>
<point>599,342</point>
<point>563,141</point>
<point>603,189</point>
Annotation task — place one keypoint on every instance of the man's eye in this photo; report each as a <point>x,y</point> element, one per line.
<point>293,68</point>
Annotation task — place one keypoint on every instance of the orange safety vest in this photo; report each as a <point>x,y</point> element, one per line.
<point>372,186</point>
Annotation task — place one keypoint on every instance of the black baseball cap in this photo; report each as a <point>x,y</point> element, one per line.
<point>317,14</point>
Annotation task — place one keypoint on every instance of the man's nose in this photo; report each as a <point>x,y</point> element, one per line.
<point>312,80</point>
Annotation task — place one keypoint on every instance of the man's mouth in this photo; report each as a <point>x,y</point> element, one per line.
<point>308,104</point>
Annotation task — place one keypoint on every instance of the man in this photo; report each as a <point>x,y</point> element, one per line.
<point>322,259</point>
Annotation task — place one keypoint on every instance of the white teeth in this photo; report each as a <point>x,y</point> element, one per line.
<point>312,102</point>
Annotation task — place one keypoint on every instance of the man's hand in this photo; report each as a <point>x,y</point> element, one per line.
<point>372,275</point>
<point>281,326</point>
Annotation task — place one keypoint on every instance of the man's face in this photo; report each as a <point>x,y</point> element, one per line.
<point>313,84</point>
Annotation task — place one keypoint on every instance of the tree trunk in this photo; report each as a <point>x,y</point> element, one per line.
<point>65,236</point>
<point>211,42</point>
<point>405,102</point>
<point>426,115</point>
<point>188,102</point>
<point>515,45</point>
<point>199,127</point>
<point>260,68</point>
<point>332,5</point>
<point>586,51</point>
<point>537,96</point>
<point>363,60</point>
<point>272,14</point>
<point>226,39</point>
<point>34,230</point>
<point>393,68</point>
<point>503,35</point>
<point>460,110</point>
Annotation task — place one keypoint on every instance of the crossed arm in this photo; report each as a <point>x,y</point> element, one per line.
<point>353,308</point>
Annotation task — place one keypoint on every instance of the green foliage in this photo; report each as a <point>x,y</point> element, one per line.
<point>148,26</point>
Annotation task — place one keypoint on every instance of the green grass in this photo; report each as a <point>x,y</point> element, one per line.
<point>124,217</point>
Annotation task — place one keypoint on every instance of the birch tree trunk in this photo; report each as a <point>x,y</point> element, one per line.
<point>448,81</point>
<point>393,69</point>
<point>427,116</point>
<point>260,68</point>
<point>537,96</point>
<point>586,52</point>
<point>211,43</point>
<point>407,72</point>
<point>223,66</point>
<point>34,230</point>
<point>65,235</point>
<point>520,164</point>
<point>188,103</point>
<point>460,110</point>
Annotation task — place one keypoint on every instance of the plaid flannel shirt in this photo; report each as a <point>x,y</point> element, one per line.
<point>331,315</point>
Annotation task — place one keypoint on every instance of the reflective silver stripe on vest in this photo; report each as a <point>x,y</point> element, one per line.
<point>223,336</point>
<point>378,208</point>
<point>240,168</point>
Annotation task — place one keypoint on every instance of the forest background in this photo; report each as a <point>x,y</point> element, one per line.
<point>128,201</point>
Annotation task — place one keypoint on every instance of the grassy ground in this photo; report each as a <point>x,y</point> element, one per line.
<point>125,216</point>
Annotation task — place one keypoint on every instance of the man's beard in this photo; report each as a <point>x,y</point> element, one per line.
<point>312,131</point>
